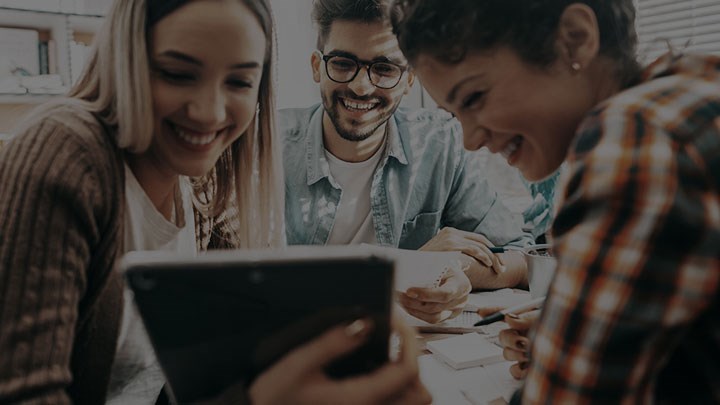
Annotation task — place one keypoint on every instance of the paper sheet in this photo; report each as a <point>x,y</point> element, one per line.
<point>477,385</point>
<point>506,297</point>
<point>415,268</point>
<point>464,323</point>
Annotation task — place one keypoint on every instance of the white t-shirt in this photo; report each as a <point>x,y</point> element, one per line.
<point>353,218</point>
<point>136,377</point>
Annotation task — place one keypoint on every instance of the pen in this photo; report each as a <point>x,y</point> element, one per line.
<point>500,315</point>
<point>503,249</point>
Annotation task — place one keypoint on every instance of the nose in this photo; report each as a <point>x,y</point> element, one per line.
<point>208,107</point>
<point>474,136</point>
<point>361,84</point>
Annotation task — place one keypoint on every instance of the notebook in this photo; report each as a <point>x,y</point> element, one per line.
<point>463,323</point>
<point>464,351</point>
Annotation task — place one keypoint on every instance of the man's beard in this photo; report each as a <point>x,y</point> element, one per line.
<point>350,132</point>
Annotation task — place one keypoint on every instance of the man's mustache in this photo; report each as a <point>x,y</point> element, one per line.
<point>355,97</point>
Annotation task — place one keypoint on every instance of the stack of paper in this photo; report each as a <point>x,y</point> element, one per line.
<point>43,84</point>
<point>463,351</point>
<point>11,85</point>
<point>463,323</point>
<point>504,298</point>
<point>472,386</point>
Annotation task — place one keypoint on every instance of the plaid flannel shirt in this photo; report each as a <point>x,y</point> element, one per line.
<point>633,315</point>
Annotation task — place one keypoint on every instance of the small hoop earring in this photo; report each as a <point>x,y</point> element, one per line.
<point>575,66</point>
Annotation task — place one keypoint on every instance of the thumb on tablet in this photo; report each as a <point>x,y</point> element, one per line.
<point>330,345</point>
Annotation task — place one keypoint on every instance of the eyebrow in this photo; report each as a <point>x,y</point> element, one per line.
<point>189,59</point>
<point>381,58</point>
<point>453,92</point>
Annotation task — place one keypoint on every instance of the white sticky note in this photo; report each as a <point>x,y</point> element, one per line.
<point>468,350</point>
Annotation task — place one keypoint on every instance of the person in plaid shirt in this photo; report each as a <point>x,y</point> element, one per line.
<point>633,314</point>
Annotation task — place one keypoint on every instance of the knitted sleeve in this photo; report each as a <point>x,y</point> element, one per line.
<point>56,201</point>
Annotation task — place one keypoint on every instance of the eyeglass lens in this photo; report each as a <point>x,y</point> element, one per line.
<point>383,75</point>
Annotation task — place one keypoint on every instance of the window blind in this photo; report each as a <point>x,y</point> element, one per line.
<point>686,25</point>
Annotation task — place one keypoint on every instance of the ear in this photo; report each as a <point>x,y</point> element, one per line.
<point>578,36</point>
<point>410,81</point>
<point>315,64</point>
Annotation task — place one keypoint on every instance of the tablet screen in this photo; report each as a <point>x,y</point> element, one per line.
<point>214,323</point>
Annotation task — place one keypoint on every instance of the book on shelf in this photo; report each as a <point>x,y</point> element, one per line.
<point>48,57</point>
<point>52,57</point>
<point>43,60</point>
<point>49,92</point>
<point>39,84</point>
<point>43,84</point>
<point>78,56</point>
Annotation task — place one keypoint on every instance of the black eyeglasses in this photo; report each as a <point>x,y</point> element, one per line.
<point>344,69</point>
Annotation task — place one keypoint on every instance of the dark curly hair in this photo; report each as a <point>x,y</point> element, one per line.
<point>447,30</point>
<point>325,12</point>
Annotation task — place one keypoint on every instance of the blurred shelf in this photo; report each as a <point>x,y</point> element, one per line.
<point>47,12</point>
<point>26,98</point>
<point>85,23</point>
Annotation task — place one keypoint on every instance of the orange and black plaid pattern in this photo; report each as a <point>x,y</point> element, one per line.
<point>633,315</point>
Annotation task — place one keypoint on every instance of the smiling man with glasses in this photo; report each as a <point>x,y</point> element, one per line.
<point>361,170</point>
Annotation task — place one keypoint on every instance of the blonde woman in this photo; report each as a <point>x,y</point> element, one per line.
<point>173,90</point>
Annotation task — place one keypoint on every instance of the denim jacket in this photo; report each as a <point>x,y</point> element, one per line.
<point>425,181</point>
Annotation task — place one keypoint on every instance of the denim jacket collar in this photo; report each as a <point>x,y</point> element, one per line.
<point>317,164</point>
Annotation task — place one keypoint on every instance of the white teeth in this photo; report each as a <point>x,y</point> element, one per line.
<point>195,139</point>
<point>511,147</point>
<point>359,106</point>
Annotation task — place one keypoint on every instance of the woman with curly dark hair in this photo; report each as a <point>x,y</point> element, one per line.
<point>633,314</point>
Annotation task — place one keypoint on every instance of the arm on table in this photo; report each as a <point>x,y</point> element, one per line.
<point>483,277</point>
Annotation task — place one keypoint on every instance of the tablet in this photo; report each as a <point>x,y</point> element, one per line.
<point>223,317</point>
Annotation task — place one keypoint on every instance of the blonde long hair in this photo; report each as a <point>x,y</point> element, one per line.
<point>247,179</point>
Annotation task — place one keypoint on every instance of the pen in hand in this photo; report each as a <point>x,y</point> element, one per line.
<point>503,249</point>
<point>500,315</point>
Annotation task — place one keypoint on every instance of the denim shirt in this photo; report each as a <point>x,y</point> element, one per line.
<point>540,214</point>
<point>425,181</point>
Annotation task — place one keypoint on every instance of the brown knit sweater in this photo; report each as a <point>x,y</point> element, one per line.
<point>62,193</point>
